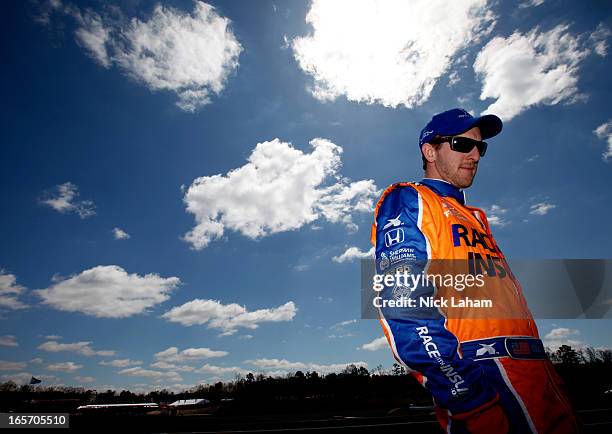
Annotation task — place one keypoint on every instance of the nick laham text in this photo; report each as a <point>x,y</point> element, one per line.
<point>421,302</point>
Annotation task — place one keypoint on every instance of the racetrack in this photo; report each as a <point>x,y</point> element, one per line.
<point>595,421</point>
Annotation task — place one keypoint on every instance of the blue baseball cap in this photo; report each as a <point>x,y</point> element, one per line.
<point>456,121</point>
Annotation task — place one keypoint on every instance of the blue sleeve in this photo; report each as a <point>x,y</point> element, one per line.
<point>419,336</point>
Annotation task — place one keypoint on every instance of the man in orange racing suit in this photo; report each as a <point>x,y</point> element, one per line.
<point>485,374</point>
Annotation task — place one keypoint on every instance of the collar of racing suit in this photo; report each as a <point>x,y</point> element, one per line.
<point>444,189</point>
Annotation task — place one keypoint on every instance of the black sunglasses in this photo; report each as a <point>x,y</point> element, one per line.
<point>462,144</point>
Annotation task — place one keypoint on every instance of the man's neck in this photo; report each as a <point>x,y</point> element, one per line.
<point>447,189</point>
<point>437,179</point>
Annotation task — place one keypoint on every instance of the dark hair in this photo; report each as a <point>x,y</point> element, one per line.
<point>436,147</point>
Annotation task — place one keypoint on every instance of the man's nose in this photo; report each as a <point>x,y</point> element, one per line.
<point>474,155</point>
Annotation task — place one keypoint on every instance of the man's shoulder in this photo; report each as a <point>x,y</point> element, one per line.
<point>400,187</point>
<point>408,191</point>
<point>408,196</point>
<point>401,195</point>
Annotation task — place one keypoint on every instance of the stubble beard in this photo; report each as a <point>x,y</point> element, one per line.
<point>459,177</point>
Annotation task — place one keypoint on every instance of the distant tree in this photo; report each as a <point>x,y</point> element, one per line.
<point>250,377</point>
<point>107,397</point>
<point>314,375</point>
<point>9,386</point>
<point>568,355</point>
<point>363,372</point>
<point>398,369</point>
<point>605,355</point>
<point>163,395</point>
<point>350,370</point>
<point>590,356</point>
<point>127,396</point>
<point>552,355</point>
<point>299,375</point>
<point>331,377</point>
<point>379,370</point>
<point>25,388</point>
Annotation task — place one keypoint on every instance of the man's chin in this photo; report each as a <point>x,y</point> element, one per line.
<point>465,182</point>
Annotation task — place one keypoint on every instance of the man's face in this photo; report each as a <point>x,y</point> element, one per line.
<point>455,167</point>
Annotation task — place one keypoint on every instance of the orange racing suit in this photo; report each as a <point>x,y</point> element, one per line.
<point>484,373</point>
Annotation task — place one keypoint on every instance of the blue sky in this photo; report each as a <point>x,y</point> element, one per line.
<point>121,115</point>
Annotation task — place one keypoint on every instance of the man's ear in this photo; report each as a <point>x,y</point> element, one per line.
<point>429,152</point>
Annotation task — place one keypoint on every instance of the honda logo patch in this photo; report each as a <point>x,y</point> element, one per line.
<point>394,236</point>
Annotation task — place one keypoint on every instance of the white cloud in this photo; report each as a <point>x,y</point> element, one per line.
<point>108,292</point>
<point>84,379</point>
<point>563,336</point>
<point>526,70</point>
<point>172,354</point>
<point>46,10</point>
<point>65,201</point>
<point>453,79</point>
<point>541,208</point>
<point>353,253</point>
<point>10,292</point>
<point>83,348</point>
<point>495,216</point>
<point>375,345</point>
<point>340,335</point>
<point>11,366</point>
<point>25,377</point>
<point>286,43</point>
<point>64,367</point>
<point>93,35</point>
<point>141,372</point>
<point>191,55</point>
<point>105,387</point>
<point>297,188</point>
<point>390,52</point>
<point>227,317</point>
<point>530,3</point>
<point>342,324</point>
<point>301,267</point>
<point>281,366</point>
<point>36,360</point>
<point>604,131</point>
<point>172,367</point>
<point>120,363</point>
<point>53,337</point>
<point>120,234</point>
<point>8,341</point>
<point>561,333</point>
<point>599,39</point>
<point>220,371</point>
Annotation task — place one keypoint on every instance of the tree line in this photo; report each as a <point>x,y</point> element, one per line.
<point>587,373</point>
